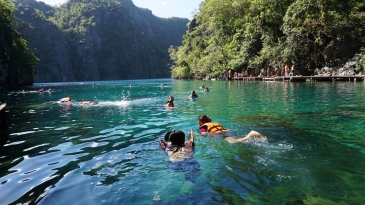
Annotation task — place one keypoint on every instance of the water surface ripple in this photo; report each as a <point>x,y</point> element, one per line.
<point>313,150</point>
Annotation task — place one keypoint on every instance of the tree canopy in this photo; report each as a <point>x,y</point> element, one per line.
<point>240,34</point>
<point>17,63</point>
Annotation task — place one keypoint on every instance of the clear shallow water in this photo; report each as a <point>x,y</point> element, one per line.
<point>313,151</point>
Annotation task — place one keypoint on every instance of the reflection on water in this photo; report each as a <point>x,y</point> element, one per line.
<point>313,151</point>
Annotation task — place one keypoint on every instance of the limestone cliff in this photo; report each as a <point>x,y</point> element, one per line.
<point>98,40</point>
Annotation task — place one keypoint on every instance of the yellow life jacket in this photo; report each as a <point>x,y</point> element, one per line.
<point>214,127</point>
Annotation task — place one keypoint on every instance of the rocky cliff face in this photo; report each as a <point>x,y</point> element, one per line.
<point>99,40</point>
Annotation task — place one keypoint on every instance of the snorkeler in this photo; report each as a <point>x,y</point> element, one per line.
<point>177,149</point>
<point>170,101</point>
<point>207,126</point>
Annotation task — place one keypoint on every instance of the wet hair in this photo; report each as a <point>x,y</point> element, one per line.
<point>170,101</point>
<point>177,139</point>
<point>204,119</point>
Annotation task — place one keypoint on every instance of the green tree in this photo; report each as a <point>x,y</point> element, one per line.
<point>238,34</point>
<point>17,61</point>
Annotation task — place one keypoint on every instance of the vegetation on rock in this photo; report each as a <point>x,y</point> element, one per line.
<point>252,34</point>
<point>85,40</point>
<point>17,63</point>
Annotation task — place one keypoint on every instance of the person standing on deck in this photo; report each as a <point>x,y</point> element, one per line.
<point>276,70</point>
<point>286,70</point>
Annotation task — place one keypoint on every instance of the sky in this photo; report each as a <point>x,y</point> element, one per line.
<point>170,8</point>
<point>160,8</point>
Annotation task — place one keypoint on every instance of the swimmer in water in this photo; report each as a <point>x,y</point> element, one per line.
<point>88,102</point>
<point>193,95</point>
<point>206,126</point>
<point>176,147</point>
<point>66,99</point>
<point>170,101</point>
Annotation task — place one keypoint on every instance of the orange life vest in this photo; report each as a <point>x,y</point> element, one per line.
<point>214,127</point>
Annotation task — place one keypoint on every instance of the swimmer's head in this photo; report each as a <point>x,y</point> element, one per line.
<point>176,137</point>
<point>204,119</point>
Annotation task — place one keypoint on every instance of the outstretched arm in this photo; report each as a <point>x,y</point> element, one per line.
<point>162,143</point>
<point>191,135</point>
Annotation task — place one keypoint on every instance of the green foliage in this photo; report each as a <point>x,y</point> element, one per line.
<point>6,8</point>
<point>240,34</point>
<point>23,61</point>
<point>17,60</point>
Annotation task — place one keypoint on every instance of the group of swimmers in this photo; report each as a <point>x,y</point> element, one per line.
<point>193,95</point>
<point>205,89</point>
<point>179,150</point>
<point>87,102</point>
<point>42,90</point>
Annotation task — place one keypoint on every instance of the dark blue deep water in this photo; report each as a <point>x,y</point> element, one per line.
<point>313,151</point>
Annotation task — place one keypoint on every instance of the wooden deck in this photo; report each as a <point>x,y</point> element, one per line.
<point>303,78</point>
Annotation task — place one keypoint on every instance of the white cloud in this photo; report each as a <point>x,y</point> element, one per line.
<point>164,3</point>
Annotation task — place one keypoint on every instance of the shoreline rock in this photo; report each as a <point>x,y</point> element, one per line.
<point>343,69</point>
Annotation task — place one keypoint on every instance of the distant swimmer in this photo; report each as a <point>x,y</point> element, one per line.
<point>170,101</point>
<point>193,95</point>
<point>88,102</point>
<point>202,87</point>
<point>66,99</point>
<point>41,90</point>
<point>49,90</point>
<point>161,85</point>
<point>206,89</point>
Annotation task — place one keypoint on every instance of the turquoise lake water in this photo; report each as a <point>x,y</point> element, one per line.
<point>313,151</point>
